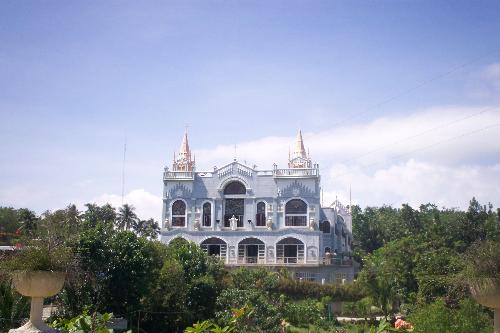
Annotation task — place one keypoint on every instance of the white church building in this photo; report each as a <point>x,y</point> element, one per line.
<point>250,217</point>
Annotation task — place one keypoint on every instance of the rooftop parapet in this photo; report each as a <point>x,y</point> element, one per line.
<point>178,175</point>
<point>297,172</point>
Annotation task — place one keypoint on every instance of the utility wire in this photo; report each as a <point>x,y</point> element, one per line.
<point>416,87</point>
<point>444,125</point>
<point>425,147</point>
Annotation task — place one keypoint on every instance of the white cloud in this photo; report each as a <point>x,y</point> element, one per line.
<point>485,83</point>
<point>147,205</point>
<point>420,182</point>
<point>437,155</point>
<point>492,71</point>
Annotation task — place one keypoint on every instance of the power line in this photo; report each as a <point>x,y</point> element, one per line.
<point>444,125</point>
<point>425,147</point>
<point>417,86</point>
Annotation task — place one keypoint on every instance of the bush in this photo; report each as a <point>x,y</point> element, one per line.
<point>436,317</point>
<point>303,313</point>
<point>13,307</point>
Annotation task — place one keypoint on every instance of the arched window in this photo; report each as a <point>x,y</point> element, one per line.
<point>260,217</point>
<point>214,247</point>
<point>290,251</point>
<point>296,213</point>
<point>235,188</point>
<point>236,208</point>
<point>324,226</point>
<point>207,214</point>
<point>179,214</point>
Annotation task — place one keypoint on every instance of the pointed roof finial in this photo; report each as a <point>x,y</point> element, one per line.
<point>300,151</point>
<point>184,150</point>
<point>183,162</point>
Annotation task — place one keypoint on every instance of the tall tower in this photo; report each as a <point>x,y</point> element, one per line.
<point>183,161</point>
<point>299,158</point>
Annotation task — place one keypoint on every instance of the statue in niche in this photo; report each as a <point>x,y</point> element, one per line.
<point>269,223</point>
<point>312,224</point>
<point>233,221</point>
<point>197,224</point>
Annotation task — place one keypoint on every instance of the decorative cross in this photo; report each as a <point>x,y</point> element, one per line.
<point>233,220</point>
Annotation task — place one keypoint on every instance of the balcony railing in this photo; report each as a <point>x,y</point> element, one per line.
<point>337,261</point>
<point>290,260</point>
<point>178,175</point>
<point>254,260</point>
<point>292,173</point>
<point>248,260</point>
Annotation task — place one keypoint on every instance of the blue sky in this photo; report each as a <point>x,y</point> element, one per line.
<point>77,77</point>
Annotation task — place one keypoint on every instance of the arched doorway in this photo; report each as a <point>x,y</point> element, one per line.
<point>251,251</point>
<point>214,246</point>
<point>290,251</point>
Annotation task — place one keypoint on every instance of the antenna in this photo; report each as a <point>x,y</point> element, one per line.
<point>350,199</point>
<point>123,167</point>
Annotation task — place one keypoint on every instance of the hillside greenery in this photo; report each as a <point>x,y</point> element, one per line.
<point>414,261</point>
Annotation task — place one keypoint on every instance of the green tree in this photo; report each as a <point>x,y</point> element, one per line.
<point>378,282</point>
<point>147,228</point>
<point>9,226</point>
<point>95,215</point>
<point>186,289</point>
<point>28,221</point>
<point>439,318</point>
<point>126,218</point>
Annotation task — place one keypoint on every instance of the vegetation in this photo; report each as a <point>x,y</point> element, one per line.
<point>13,306</point>
<point>85,323</point>
<point>413,261</point>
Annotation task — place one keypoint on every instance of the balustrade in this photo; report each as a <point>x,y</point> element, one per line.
<point>295,172</point>
<point>178,175</point>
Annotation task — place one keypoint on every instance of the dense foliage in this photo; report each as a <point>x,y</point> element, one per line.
<point>13,306</point>
<point>417,261</point>
<point>414,261</point>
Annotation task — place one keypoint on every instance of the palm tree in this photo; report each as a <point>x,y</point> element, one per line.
<point>28,221</point>
<point>126,218</point>
<point>147,228</point>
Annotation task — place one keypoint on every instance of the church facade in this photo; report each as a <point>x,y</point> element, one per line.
<point>250,217</point>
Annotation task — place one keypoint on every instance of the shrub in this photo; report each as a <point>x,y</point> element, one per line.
<point>303,313</point>
<point>438,318</point>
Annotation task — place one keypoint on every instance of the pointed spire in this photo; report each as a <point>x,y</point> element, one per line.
<point>300,158</point>
<point>183,162</point>
<point>300,151</point>
<point>184,150</point>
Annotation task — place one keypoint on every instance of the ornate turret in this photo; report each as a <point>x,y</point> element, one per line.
<point>183,161</point>
<point>299,157</point>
